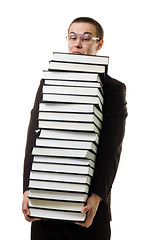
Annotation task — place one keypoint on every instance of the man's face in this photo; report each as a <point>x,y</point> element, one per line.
<point>79,47</point>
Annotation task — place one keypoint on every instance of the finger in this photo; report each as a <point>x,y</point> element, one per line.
<point>26,215</point>
<point>85,209</point>
<point>25,210</point>
<point>30,219</point>
<point>25,205</point>
<point>88,221</point>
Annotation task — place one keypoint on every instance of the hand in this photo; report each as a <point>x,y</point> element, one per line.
<point>25,209</point>
<point>90,208</point>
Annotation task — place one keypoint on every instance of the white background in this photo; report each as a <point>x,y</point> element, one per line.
<point>30,31</point>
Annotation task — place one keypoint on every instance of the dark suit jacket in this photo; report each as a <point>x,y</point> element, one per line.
<point>110,144</point>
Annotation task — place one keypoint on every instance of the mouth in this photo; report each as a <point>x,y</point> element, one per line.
<point>76,52</point>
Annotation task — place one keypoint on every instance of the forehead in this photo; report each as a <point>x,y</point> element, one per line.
<point>81,28</point>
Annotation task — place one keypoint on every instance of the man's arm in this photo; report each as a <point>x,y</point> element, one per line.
<point>109,148</point>
<point>110,144</point>
<point>31,138</point>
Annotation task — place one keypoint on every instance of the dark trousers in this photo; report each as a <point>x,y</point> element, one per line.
<point>52,230</point>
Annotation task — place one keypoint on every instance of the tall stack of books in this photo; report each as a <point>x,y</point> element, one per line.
<point>70,119</point>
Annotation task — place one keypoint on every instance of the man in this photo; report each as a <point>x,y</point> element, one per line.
<point>85,36</point>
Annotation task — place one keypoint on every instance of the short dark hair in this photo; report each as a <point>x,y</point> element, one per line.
<point>99,29</point>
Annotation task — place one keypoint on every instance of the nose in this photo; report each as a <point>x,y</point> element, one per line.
<point>78,43</point>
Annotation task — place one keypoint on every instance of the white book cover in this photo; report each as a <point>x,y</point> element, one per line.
<point>63,66</point>
<point>70,135</point>
<point>62,125</point>
<point>62,168</point>
<point>72,83</point>
<point>73,91</point>
<point>59,215</point>
<point>59,205</point>
<point>58,195</point>
<point>59,75</point>
<point>64,160</point>
<point>60,98</point>
<point>69,57</point>
<point>44,151</point>
<point>58,186</point>
<point>72,117</point>
<point>58,143</point>
<point>64,177</point>
<point>71,108</point>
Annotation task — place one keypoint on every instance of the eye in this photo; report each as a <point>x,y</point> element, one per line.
<point>86,38</point>
<point>72,37</point>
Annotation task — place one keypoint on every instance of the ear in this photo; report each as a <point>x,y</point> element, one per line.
<point>100,44</point>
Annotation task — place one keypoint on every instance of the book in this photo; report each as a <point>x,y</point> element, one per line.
<point>69,135</point>
<point>60,177</point>
<point>58,195</point>
<point>79,67</point>
<point>89,59</point>
<point>58,143</point>
<point>62,168</point>
<point>75,76</point>
<point>70,117</point>
<point>55,205</point>
<point>58,215</point>
<point>58,186</point>
<point>71,108</point>
<point>62,98</point>
<point>72,83</point>
<point>73,91</point>
<point>79,153</point>
<point>62,125</point>
<point>64,160</point>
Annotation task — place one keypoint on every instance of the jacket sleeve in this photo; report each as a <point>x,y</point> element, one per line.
<point>31,138</point>
<point>111,138</point>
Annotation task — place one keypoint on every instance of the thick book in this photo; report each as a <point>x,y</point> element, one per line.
<point>62,168</point>
<point>64,98</point>
<point>60,75</point>
<point>64,160</point>
<point>78,67</point>
<point>71,108</point>
<point>89,59</point>
<point>55,205</point>
<point>58,195</point>
<point>58,215</point>
<point>64,177</point>
<point>70,117</point>
<point>73,91</point>
<point>58,186</point>
<point>62,152</point>
<point>58,143</point>
<point>72,83</point>
<point>62,125</point>
<point>69,135</point>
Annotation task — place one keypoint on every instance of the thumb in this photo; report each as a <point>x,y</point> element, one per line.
<point>85,209</point>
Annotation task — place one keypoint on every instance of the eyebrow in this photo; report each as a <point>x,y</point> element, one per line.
<point>82,34</point>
